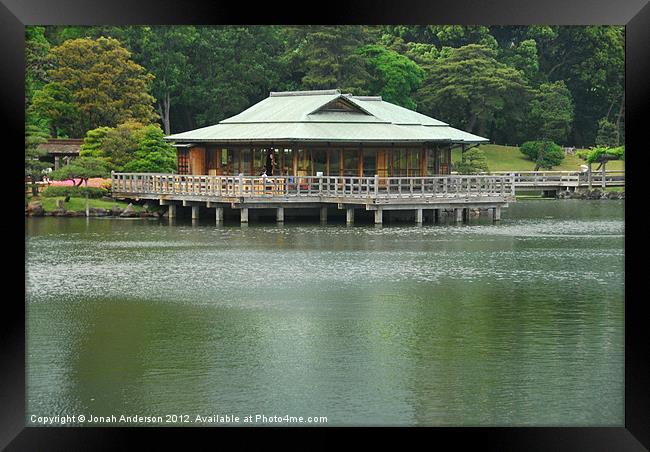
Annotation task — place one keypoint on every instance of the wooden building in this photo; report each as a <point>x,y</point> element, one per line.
<point>321,133</point>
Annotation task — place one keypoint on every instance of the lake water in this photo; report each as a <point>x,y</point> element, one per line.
<point>519,323</point>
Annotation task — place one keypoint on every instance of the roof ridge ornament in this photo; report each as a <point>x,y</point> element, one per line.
<point>318,92</point>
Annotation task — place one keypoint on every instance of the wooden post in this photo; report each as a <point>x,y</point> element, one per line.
<point>602,172</point>
<point>589,176</point>
<point>418,216</point>
<point>219,215</point>
<point>379,217</point>
<point>496,213</point>
<point>458,215</point>
<point>171,211</point>
<point>349,215</point>
<point>195,212</point>
<point>279,214</point>
<point>244,214</point>
<point>323,214</point>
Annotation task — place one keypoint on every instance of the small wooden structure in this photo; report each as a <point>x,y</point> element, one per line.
<point>63,150</point>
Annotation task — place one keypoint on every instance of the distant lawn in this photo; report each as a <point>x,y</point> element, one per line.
<point>76,204</point>
<point>509,158</point>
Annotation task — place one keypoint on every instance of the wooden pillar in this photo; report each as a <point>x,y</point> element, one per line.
<point>171,211</point>
<point>458,214</point>
<point>589,176</point>
<point>349,215</point>
<point>602,169</point>
<point>327,162</point>
<point>195,212</point>
<point>360,162</point>
<point>219,215</point>
<point>57,162</point>
<point>323,214</point>
<point>496,213</point>
<point>418,216</point>
<point>379,215</point>
<point>294,155</point>
<point>243,214</point>
<point>279,214</point>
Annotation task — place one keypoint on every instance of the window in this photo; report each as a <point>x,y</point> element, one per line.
<point>183,161</point>
<point>369,162</point>
<point>320,161</point>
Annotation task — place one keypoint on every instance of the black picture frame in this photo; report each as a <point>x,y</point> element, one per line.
<point>634,14</point>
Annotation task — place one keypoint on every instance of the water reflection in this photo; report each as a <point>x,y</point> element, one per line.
<point>513,324</point>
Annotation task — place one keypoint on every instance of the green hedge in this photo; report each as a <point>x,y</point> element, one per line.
<point>66,190</point>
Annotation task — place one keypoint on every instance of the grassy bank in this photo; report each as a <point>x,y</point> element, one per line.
<point>509,158</point>
<point>76,204</point>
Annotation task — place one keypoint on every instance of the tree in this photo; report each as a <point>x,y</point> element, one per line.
<point>469,87</point>
<point>34,135</point>
<point>153,155</point>
<point>396,76</point>
<point>551,112</point>
<point>607,134</point>
<point>92,145</point>
<point>121,143</point>
<point>166,52</point>
<point>474,161</point>
<point>328,57</point>
<point>545,154</point>
<point>55,103</point>
<point>95,83</point>
<point>82,168</point>
<point>36,50</point>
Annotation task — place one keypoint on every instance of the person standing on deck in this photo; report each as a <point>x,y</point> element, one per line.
<point>269,163</point>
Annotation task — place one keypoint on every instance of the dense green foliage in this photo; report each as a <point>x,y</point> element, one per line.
<point>153,154</point>
<point>607,134</point>
<point>54,191</point>
<point>603,154</point>
<point>92,83</point>
<point>508,83</point>
<point>545,154</point>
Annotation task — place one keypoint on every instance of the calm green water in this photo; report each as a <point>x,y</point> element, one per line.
<point>519,323</point>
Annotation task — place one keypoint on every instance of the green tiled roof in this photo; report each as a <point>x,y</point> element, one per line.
<point>311,116</point>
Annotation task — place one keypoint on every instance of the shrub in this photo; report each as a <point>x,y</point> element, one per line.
<point>545,154</point>
<point>65,190</point>
<point>475,162</point>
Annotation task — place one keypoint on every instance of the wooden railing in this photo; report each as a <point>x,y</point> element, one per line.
<point>566,178</point>
<point>307,186</point>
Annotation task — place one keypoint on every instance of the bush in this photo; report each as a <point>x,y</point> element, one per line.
<point>475,162</point>
<point>62,190</point>
<point>545,154</point>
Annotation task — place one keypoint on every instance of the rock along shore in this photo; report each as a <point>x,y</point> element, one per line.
<point>591,194</point>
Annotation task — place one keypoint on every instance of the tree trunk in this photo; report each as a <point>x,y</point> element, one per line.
<point>618,121</point>
<point>472,122</point>
<point>163,112</point>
